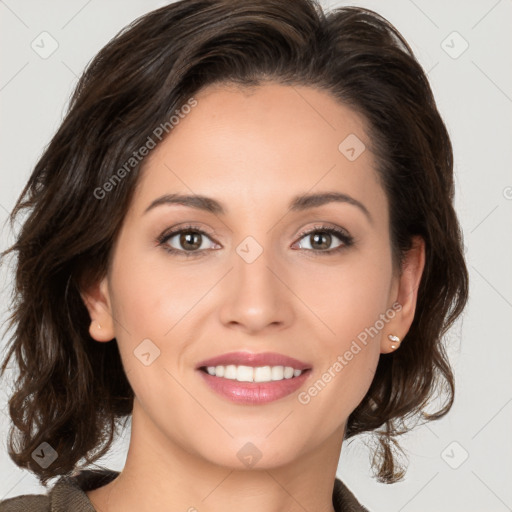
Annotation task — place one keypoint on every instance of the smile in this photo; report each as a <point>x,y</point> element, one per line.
<point>243,373</point>
<point>254,392</point>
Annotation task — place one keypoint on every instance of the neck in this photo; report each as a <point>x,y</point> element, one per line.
<point>160,475</point>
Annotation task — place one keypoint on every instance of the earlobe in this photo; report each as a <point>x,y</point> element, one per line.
<point>406,295</point>
<point>97,301</point>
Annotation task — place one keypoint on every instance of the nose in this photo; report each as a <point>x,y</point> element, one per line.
<point>256,296</point>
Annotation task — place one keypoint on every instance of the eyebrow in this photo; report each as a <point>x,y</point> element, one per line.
<point>298,203</point>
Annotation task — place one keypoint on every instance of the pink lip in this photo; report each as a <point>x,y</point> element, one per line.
<point>249,359</point>
<point>254,393</point>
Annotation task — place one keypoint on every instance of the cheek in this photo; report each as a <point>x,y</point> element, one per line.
<point>150,294</point>
<point>350,297</point>
<point>351,301</point>
<point>154,300</point>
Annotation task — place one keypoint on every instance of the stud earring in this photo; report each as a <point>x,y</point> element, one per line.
<point>99,326</point>
<point>395,339</point>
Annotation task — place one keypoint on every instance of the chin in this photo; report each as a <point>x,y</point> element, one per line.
<point>253,452</point>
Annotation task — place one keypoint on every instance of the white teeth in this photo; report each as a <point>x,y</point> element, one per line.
<point>277,372</point>
<point>262,374</point>
<point>244,374</point>
<point>253,374</point>
<point>230,372</point>
<point>288,372</point>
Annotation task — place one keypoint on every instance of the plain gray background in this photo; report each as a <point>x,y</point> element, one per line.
<point>460,463</point>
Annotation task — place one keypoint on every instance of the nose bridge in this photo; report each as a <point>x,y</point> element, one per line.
<point>254,280</point>
<point>256,296</point>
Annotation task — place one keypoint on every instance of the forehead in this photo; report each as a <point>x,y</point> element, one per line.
<point>262,145</point>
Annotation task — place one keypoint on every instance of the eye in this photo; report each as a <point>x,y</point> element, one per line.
<point>187,241</point>
<point>321,237</point>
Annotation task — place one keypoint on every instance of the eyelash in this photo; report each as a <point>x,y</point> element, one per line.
<point>342,235</point>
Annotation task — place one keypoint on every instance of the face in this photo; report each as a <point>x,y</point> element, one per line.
<point>264,271</point>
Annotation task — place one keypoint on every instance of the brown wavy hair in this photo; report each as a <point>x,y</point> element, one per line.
<point>70,391</point>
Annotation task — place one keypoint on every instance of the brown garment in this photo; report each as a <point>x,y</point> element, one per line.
<point>68,495</point>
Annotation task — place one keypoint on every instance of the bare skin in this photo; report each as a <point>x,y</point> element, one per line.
<point>252,151</point>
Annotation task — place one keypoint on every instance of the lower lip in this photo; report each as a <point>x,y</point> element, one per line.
<point>254,393</point>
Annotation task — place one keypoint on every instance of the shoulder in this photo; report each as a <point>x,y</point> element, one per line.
<point>344,500</point>
<point>67,494</point>
<point>26,503</point>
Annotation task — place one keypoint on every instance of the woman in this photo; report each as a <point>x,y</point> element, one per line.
<point>242,237</point>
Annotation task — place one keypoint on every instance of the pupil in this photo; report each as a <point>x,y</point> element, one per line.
<point>187,238</point>
<point>317,236</point>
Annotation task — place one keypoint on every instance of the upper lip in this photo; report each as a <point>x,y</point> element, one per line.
<point>255,360</point>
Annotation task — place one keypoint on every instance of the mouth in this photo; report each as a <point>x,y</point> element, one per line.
<point>246,378</point>
<point>243,373</point>
<point>262,359</point>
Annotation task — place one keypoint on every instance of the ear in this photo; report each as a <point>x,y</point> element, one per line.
<point>96,298</point>
<point>405,293</point>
